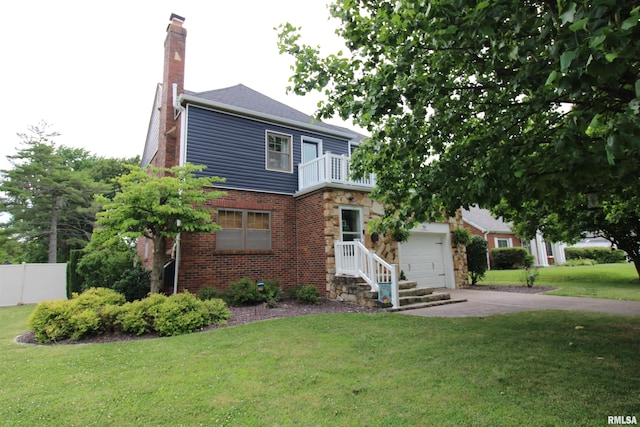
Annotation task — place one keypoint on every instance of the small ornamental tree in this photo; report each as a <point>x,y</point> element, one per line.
<point>160,203</point>
<point>477,258</point>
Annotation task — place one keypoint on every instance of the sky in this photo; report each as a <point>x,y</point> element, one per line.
<point>90,69</point>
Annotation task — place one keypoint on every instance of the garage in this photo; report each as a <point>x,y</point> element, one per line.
<point>426,256</point>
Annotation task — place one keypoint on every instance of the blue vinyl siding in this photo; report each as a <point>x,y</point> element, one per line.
<point>233,148</point>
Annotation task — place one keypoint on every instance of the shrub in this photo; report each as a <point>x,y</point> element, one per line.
<point>598,254</point>
<point>461,236</point>
<point>96,298</point>
<point>49,321</point>
<point>135,283</point>
<point>306,294</point>
<point>75,318</point>
<point>271,292</point>
<point>477,258</point>
<point>99,310</point>
<point>208,293</point>
<point>218,311</point>
<point>180,314</point>
<point>84,323</point>
<point>510,258</point>
<point>137,317</point>
<point>243,292</point>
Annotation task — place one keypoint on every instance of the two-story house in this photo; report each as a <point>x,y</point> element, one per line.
<point>290,203</point>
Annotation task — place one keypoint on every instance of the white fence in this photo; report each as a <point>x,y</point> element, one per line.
<point>32,283</point>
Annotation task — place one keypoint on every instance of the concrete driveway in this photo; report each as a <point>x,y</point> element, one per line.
<point>486,303</point>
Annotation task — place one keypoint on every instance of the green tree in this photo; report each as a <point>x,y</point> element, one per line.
<point>105,260</point>
<point>477,258</point>
<point>46,198</point>
<point>159,204</point>
<point>529,108</point>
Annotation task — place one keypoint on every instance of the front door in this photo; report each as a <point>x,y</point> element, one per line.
<point>351,226</point>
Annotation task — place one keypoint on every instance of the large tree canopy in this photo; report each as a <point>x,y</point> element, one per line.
<point>529,108</point>
<point>48,196</point>
<point>158,204</point>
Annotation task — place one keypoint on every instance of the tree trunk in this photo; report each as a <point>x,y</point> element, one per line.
<point>636,263</point>
<point>159,244</point>
<point>53,231</point>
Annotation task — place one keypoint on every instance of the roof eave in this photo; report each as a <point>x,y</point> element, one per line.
<point>190,99</point>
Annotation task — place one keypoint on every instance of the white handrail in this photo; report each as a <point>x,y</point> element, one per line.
<point>330,168</point>
<point>353,258</point>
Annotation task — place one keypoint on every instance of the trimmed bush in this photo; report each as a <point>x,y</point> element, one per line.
<point>103,310</point>
<point>50,321</point>
<point>76,318</point>
<point>306,294</point>
<point>180,314</point>
<point>510,258</point>
<point>137,316</point>
<point>209,292</point>
<point>598,254</point>
<point>477,258</point>
<point>243,292</point>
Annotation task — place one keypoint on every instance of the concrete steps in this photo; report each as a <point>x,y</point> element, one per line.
<point>354,290</point>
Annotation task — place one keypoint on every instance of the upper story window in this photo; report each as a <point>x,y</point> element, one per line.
<point>279,152</point>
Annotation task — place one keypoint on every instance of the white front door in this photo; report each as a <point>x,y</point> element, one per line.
<point>351,225</point>
<point>422,259</point>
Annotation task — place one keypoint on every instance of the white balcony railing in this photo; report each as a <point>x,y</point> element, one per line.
<point>354,259</point>
<point>330,169</point>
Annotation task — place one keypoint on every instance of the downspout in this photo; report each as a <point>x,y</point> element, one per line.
<point>181,162</point>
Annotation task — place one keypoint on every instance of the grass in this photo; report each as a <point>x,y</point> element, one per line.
<point>534,368</point>
<point>609,281</point>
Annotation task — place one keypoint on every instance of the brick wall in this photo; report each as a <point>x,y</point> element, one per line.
<point>202,265</point>
<point>312,265</point>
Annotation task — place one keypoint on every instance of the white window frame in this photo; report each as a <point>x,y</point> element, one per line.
<point>506,239</point>
<point>353,146</point>
<point>266,151</point>
<point>310,139</point>
<point>361,216</point>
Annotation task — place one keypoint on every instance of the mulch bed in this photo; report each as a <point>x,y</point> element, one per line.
<point>239,316</point>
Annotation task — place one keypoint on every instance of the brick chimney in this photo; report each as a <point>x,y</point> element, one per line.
<point>174,53</point>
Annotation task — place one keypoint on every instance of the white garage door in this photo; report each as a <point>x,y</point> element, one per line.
<point>422,259</point>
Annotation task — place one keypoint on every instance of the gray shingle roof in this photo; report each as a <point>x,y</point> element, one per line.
<point>483,219</point>
<point>244,97</point>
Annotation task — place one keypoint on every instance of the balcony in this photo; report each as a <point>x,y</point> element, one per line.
<point>330,170</point>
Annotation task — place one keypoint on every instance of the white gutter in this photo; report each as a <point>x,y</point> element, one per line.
<point>185,98</point>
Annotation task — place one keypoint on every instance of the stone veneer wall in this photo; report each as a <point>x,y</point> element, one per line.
<point>386,247</point>
<point>460,269</point>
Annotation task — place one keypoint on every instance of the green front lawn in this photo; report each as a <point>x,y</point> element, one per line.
<point>610,281</point>
<point>534,368</point>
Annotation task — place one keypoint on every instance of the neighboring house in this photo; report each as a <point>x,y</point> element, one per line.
<point>498,234</point>
<point>289,199</point>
